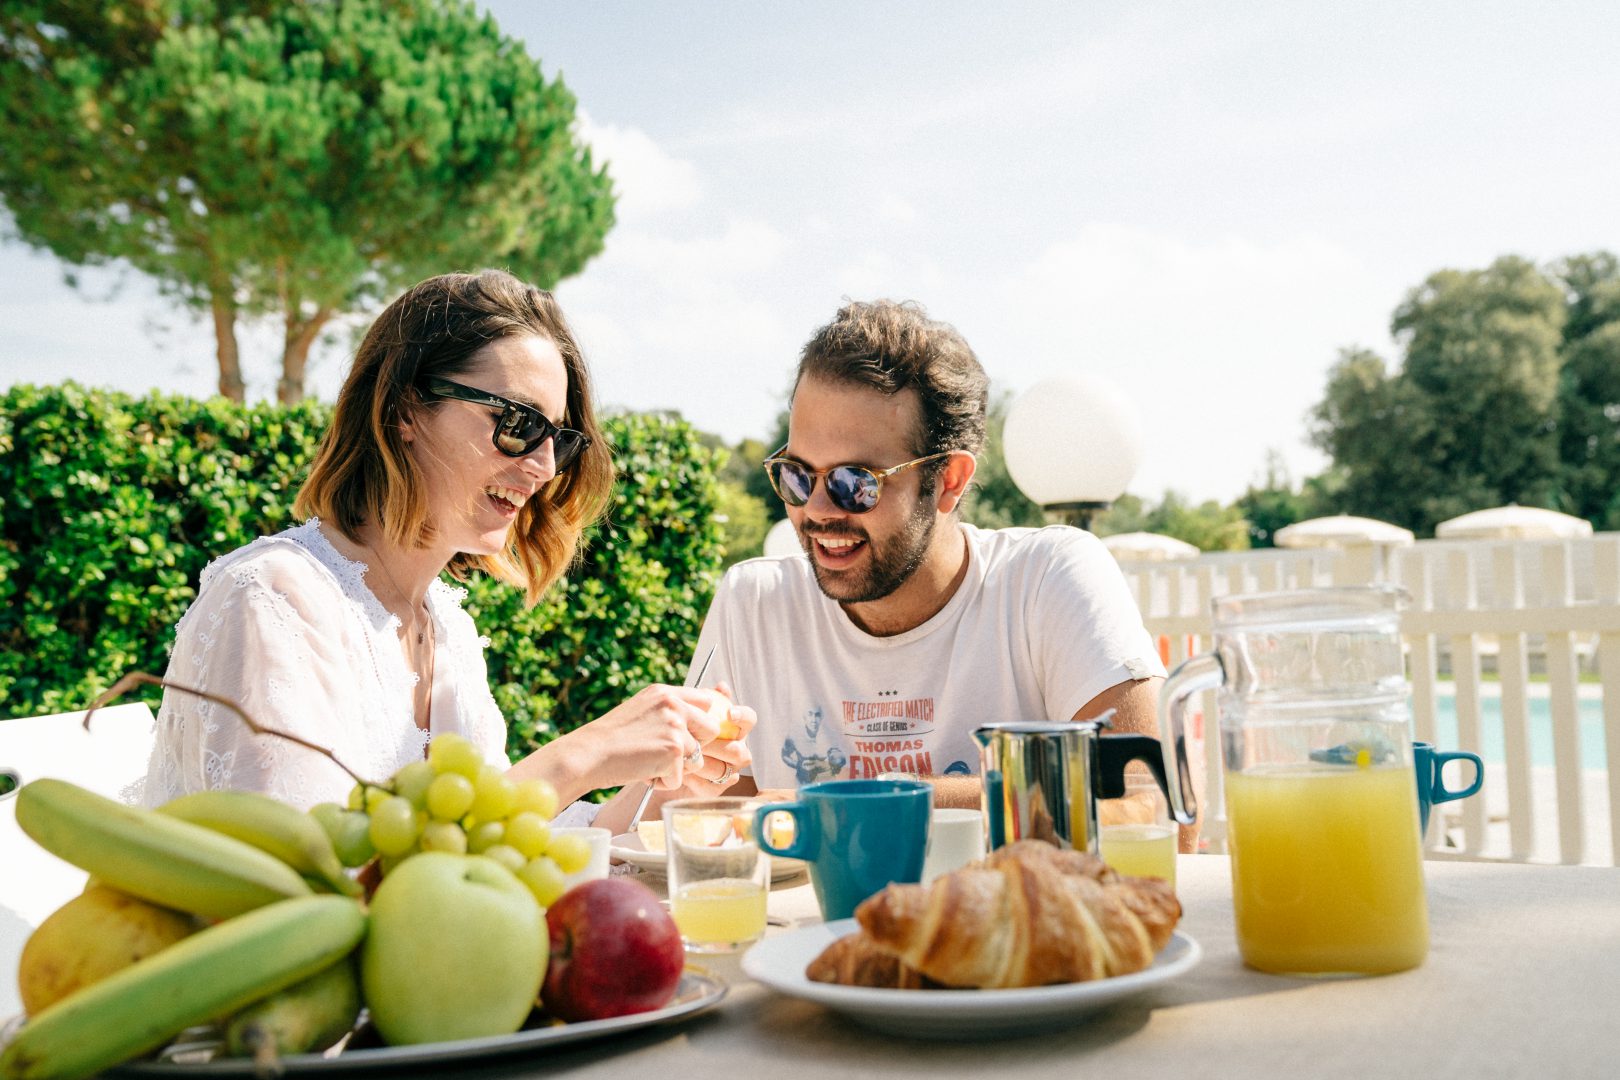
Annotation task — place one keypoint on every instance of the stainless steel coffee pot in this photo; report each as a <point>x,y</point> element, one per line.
<point>1042,780</point>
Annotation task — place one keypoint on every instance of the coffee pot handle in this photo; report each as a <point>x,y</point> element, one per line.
<point>1194,676</point>
<point>1114,752</point>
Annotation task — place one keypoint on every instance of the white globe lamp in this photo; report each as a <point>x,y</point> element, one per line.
<point>1073,444</point>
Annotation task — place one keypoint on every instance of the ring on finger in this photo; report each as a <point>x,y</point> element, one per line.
<point>727,775</point>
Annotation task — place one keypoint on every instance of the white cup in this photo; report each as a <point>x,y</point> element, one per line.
<point>955,838</point>
<point>599,840</point>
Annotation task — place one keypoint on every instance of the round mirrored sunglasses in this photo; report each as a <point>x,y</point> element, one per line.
<point>854,489</point>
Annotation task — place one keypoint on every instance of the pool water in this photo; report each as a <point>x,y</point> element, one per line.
<point>1589,711</point>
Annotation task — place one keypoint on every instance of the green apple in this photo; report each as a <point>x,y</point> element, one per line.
<point>457,950</point>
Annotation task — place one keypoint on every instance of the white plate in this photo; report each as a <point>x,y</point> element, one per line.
<point>779,962</point>
<point>627,847</point>
<point>694,994</point>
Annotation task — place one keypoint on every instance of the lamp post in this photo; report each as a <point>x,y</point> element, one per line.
<point>1072,444</point>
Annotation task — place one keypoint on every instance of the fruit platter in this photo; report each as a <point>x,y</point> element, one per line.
<point>426,919</point>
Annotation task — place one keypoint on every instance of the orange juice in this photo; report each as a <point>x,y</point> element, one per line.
<point>719,913</point>
<point>1139,850</point>
<point>1327,869</point>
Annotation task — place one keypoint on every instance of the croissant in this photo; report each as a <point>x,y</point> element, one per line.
<point>1028,915</point>
<point>853,960</point>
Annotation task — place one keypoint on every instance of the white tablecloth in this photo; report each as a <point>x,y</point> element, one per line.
<point>1522,981</point>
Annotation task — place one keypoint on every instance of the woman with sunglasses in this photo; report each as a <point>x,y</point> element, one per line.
<point>464,440</point>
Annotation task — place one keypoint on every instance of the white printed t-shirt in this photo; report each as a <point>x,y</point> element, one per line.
<point>1042,623</point>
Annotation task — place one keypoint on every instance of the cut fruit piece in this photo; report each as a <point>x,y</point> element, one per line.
<point>652,835</point>
<point>779,828</point>
<point>697,829</point>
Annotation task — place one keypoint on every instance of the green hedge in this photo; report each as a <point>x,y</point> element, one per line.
<point>110,507</point>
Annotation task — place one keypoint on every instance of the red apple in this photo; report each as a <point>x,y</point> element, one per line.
<point>614,951</point>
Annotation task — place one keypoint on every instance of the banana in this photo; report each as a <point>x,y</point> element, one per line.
<point>289,834</point>
<point>213,973</point>
<point>153,856</point>
<point>306,1017</point>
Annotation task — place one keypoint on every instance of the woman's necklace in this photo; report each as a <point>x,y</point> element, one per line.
<point>423,697</point>
<point>427,622</point>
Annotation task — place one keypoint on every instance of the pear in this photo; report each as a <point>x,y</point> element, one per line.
<point>90,937</point>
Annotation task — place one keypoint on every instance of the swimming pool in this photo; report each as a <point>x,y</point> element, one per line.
<point>1590,711</point>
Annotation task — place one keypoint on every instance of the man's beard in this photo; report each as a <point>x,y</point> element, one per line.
<point>889,566</point>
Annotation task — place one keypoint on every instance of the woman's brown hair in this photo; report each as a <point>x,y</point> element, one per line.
<point>363,472</point>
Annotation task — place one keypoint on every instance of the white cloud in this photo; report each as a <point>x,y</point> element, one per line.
<point>688,263</point>
<point>647,179</point>
<point>874,273</point>
<point>671,313</point>
<point>1223,344</point>
<point>892,208</point>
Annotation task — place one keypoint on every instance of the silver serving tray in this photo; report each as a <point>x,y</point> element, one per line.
<point>696,993</point>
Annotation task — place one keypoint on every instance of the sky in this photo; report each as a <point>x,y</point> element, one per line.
<point>1197,204</point>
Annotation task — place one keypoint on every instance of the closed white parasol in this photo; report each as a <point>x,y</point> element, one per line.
<point>1513,523</point>
<point>1341,530</point>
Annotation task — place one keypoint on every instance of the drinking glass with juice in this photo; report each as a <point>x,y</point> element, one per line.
<point>1135,835</point>
<point>718,876</point>
<point>723,912</point>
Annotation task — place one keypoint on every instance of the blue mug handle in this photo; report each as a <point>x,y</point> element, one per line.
<point>803,846</point>
<point>1439,792</point>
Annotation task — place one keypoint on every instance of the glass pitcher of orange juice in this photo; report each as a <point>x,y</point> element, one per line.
<point>1316,740</point>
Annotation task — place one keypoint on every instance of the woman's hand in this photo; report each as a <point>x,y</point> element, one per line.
<point>658,735</point>
<point>724,756</point>
<point>654,736</point>
<point>669,736</point>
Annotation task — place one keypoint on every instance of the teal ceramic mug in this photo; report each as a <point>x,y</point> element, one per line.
<point>857,836</point>
<point>1429,765</point>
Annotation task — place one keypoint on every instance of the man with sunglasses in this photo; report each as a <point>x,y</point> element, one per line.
<point>901,629</point>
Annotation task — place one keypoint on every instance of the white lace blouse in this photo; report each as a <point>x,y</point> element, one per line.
<point>287,628</point>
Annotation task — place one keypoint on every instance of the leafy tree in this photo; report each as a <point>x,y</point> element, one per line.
<point>1128,514</point>
<point>1589,389</point>
<point>300,159</point>
<point>742,533</point>
<point>742,470</point>
<point>1470,419</point>
<point>740,511</point>
<point>754,479</point>
<point>1208,526</point>
<point>1274,504</point>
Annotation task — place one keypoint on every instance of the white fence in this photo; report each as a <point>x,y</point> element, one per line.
<point>1523,610</point>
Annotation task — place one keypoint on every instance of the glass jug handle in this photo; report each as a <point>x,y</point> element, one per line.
<point>1191,677</point>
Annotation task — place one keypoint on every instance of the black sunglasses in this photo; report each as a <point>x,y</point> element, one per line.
<point>519,429</point>
<point>854,489</point>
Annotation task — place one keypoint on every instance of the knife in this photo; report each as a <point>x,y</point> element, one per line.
<point>646,796</point>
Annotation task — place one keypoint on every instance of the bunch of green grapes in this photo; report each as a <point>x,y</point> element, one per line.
<point>454,802</point>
